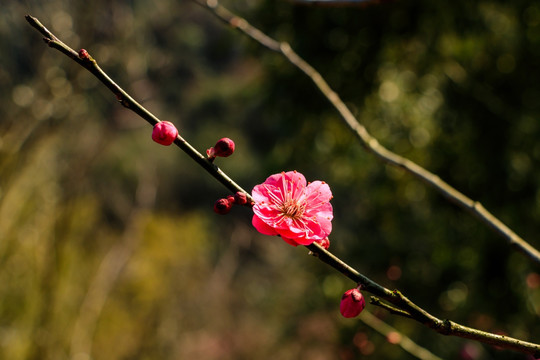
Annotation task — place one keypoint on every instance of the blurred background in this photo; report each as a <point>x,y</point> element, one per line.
<point>109,248</point>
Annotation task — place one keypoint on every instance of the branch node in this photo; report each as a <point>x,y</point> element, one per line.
<point>121,99</point>
<point>445,327</point>
<point>237,22</point>
<point>284,47</point>
<point>391,309</point>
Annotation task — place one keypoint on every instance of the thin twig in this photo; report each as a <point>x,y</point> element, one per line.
<point>407,308</point>
<point>128,102</point>
<point>366,139</point>
<point>395,297</point>
<point>391,309</point>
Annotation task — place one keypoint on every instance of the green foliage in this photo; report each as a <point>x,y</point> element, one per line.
<point>90,205</point>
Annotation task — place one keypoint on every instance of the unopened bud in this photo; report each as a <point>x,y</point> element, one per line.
<point>164,133</point>
<point>83,54</point>
<point>325,243</point>
<point>223,148</point>
<point>222,206</point>
<point>352,303</point>
<point>240,198</point>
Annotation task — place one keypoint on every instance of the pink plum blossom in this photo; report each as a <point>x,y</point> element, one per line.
<point>298,212</point>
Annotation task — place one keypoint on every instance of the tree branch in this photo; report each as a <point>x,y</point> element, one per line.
<point>366,139</point>
<point>128,102</point>
<point>394,297</point>
<point>407,308</point>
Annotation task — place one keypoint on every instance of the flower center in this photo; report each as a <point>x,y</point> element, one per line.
<point>292,209</point>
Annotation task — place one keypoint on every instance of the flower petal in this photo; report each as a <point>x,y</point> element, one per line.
<point>318,192</point>
<point>297,183</point>
<point>325,225</point>
<point>290,241</point>
<point>262,227</point>
<point>260,193</point>
<point>294,177</point>
<point>304,241</point>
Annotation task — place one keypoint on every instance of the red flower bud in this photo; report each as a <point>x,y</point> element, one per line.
<point>352,303</point>
<point>222,206</point>
<point>223,148</point>
<point>240,198</point>
<point>325,243</point>
<point>164,133</point>
<point>83,54</point>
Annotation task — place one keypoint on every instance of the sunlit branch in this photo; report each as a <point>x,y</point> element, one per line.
<point>127,101</point>
<point>366,139</point>
<point>394,297</point>
<point>407,308</point>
